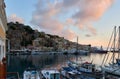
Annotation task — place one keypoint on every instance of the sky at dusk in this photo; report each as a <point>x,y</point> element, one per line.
<point>91,20</point>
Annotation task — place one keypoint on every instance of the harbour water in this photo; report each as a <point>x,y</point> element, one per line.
<point>18,63</point>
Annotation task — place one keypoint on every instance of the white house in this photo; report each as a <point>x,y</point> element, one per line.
<point>3,28</point>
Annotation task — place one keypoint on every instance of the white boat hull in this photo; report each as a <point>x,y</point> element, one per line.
<point>112,70</point>
<point>31,75</point>
<point>51,74</point>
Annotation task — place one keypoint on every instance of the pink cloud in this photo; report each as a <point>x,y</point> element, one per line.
<point>69,21</point>
<point>90,11</point>
<point>91,29</point>
<point>14,18</point>
<point>68,34</point>
<point>47,15</point>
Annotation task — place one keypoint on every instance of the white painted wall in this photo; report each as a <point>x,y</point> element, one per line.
<point>2,49</point>
<point>3,24</point>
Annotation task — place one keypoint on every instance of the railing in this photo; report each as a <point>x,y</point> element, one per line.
<point>14,73</point>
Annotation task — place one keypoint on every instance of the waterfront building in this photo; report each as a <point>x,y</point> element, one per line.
<point>3,28</point>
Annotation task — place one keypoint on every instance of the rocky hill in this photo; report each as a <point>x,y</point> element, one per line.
<point>23,36</point>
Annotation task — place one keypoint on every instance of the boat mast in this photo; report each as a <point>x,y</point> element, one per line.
<point>114,44</point>
<point>119,44</point>
<point>77,50</point>
<point>77,43</point>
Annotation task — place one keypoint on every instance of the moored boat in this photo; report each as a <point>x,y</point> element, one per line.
<point>31,73</point>
<point>101,50</point>
<point>113,67</point>
<point>86,68</point>
<point>50,74</point>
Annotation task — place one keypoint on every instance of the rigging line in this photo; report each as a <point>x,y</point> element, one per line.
<point>112,53</point>
<point>107,48</point>
<point>110,49</point>
<point>108,54</point>
<point>111,59</point>
<point>119,43</point>
<point>114,44</point>
<point>115,70</point>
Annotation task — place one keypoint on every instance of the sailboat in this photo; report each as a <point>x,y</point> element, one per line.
<point>101,50</point>
<point>85,68</point>
<point>114,66</point>
<point>80,51</point>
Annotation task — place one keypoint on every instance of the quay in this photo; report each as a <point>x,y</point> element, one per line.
<point>32,52</point>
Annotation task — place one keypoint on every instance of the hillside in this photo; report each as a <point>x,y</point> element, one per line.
<point>23,36</point>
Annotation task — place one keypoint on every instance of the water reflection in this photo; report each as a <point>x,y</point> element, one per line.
<point>21,62</point>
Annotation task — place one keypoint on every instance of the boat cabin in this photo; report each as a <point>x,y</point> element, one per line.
<point>31,73</point>
<point>87,67</point>
<point>51,74</point>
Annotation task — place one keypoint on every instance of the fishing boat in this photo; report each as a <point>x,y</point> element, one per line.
<point>101,50</point>
<point>69,73</point>
<point>83,52</point>
<point>31,73</point>
<point>50,74</point>
<point>86,68</point>
<point>70,70</point>
<point>79,51</point>
<point>33,52</point>
<point>114,66</point>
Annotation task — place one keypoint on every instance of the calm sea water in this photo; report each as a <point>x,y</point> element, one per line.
<point>18,63</point>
